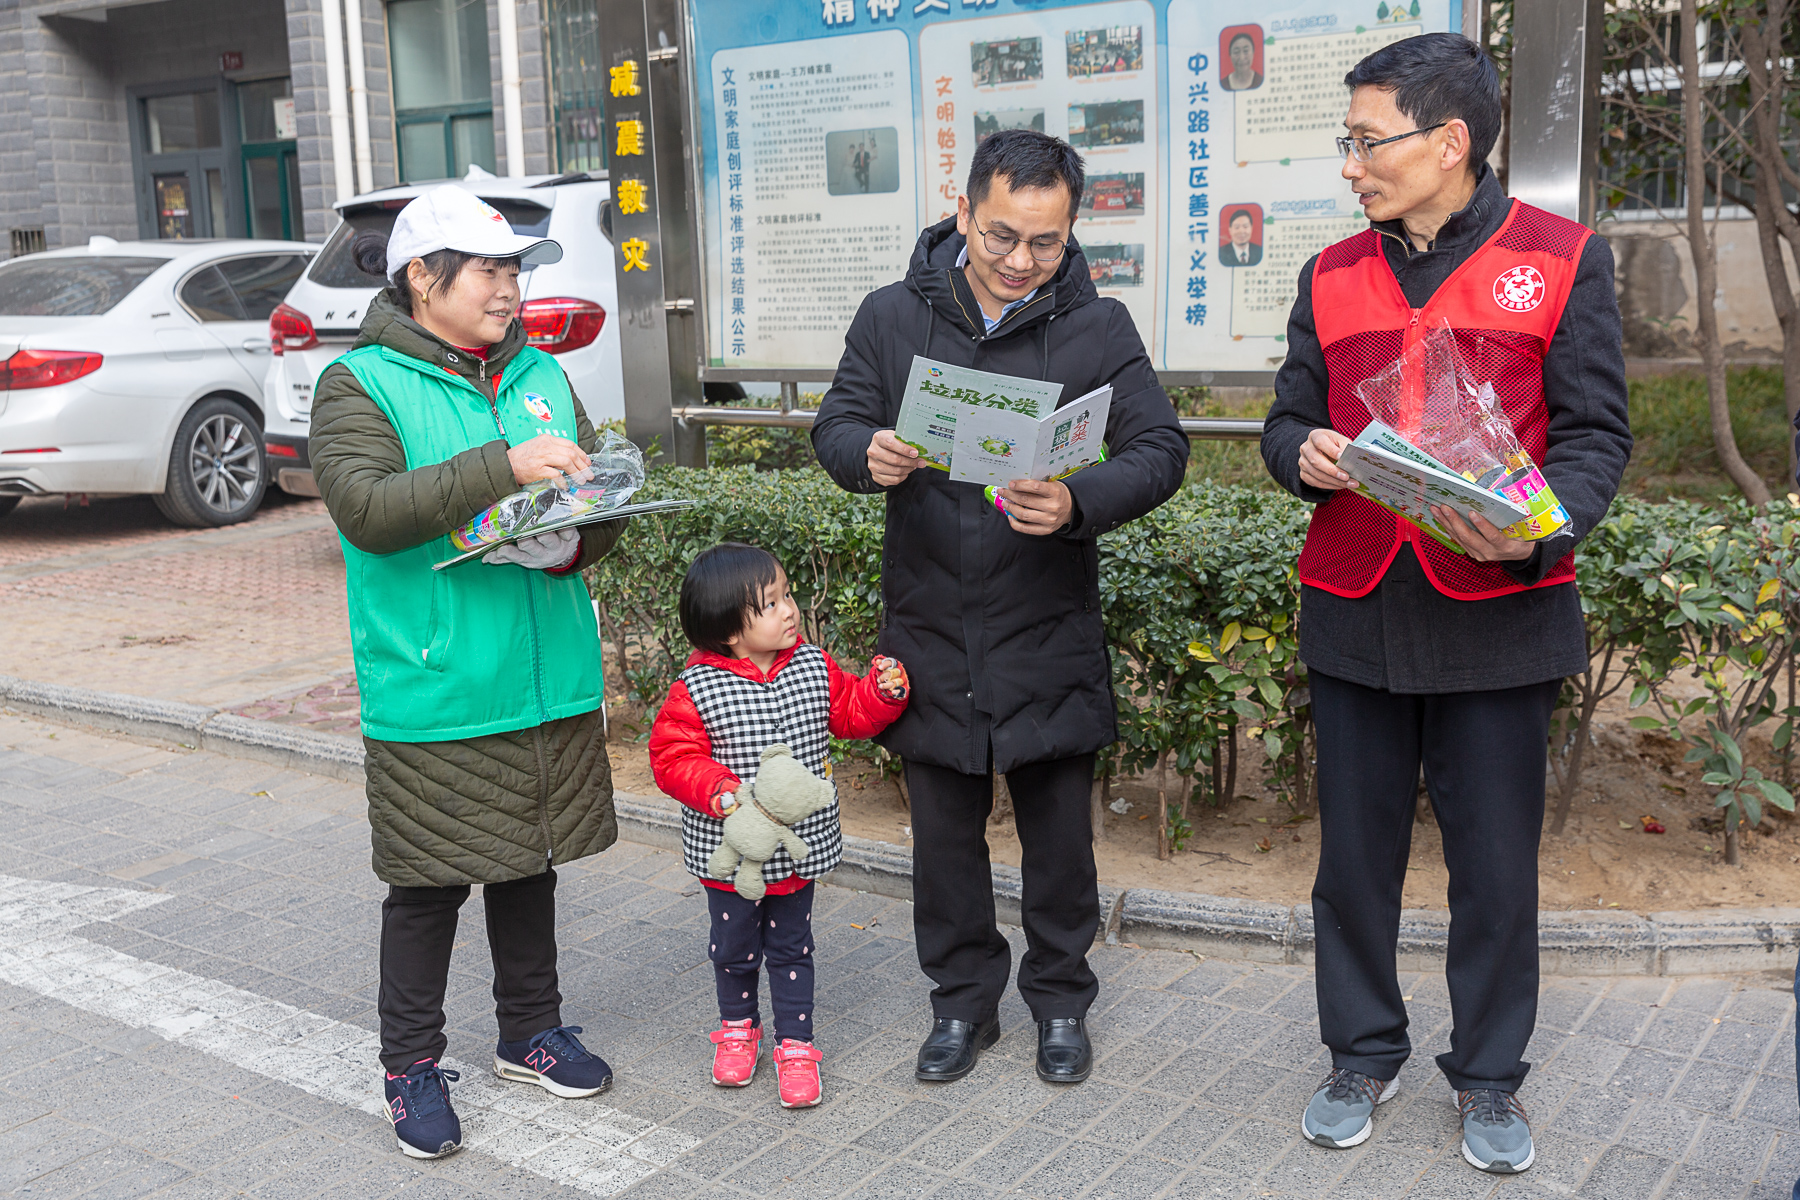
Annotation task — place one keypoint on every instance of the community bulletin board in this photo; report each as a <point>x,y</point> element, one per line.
<point>832,131</point>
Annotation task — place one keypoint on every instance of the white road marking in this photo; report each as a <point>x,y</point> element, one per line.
<point>577,1142</point>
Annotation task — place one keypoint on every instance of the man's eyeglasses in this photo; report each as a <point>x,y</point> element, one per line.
<point>1044,249</point>
<point>1362,149</point>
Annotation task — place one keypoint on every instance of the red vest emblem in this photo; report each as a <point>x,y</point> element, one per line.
<point>1504,304</point>
<point>1520,289</point>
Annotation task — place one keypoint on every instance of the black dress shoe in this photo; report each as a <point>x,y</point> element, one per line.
<point>950,1050</point>
<point>1064,1053</point>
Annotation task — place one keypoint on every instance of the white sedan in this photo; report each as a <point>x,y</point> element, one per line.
<point>137,367</point>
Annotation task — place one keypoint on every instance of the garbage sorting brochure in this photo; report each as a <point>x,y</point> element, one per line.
<point>1404,479</point>
<point>995,447</point>
<point>937,394</point>
<point>572,522</point>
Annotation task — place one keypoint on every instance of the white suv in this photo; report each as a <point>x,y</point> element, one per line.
<point>568,307</point>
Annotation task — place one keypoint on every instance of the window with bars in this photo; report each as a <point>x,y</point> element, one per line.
<point>443,94</point>
<point>577,84</point>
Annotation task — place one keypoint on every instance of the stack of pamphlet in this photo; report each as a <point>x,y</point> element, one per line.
<point>1406,480</point>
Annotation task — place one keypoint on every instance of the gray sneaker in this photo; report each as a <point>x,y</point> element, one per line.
<point>1496,1131</point>
<point>1341,1113</point>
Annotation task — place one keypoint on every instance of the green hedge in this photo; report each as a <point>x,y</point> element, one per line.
<point>1202,602</point>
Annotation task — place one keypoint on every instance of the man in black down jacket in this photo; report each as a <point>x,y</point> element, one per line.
<point>997,616</point>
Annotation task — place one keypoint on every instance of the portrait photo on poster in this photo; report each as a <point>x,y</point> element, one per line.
<point>987,124</point>
<point>1114,195</point>
<point>1241,57</point>
<point>1109,123</point>
<point>1018,60</point>
<point>862,160</point>
<point>1111,266</point>
<point>1240,235</point>
<point>1105,51</point>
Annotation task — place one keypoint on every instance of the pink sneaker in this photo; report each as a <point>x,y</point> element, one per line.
<point>797,1067</point>
<point>734,1062</point>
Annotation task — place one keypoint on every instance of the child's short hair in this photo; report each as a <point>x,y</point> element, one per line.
<point>723,586</point>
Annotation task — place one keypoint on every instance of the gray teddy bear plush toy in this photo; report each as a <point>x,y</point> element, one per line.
<point>783,794</point>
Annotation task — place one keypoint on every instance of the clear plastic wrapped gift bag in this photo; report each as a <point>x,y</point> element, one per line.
<point>1429,397</point>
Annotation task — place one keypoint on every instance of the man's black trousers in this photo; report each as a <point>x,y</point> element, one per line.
<point>1483,755</point>
<point>953,891</point>
<point>418,928</point>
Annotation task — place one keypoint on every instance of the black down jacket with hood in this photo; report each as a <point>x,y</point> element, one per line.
<point>1000,631</point>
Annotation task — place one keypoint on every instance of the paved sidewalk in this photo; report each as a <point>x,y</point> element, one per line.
<point>187,999</point>
<point>114,597</point>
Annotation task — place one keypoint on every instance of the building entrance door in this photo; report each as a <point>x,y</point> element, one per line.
<point>181,187</point>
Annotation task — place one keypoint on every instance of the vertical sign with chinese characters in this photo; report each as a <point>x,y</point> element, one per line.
<point>637,225</point>
<point>1256,183</point>
<point>813,202</point>
<point>1086,73</point>
<point>831,131</point>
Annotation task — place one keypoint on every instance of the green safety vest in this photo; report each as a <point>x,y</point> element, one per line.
<point>474,649</point>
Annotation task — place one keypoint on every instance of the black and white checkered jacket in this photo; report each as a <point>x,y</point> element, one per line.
<point>722,713</point>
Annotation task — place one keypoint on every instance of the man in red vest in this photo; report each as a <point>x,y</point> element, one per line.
<point>1419,655</point>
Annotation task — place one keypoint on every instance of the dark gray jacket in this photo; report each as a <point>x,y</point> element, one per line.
<point>1406,636</point>
<point>1000,631</point>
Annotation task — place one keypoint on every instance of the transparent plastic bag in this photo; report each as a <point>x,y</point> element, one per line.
<point>1429,397</point>
<point>615,472</point>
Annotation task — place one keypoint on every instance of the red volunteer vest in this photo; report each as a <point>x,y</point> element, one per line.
<point>1504,304</point>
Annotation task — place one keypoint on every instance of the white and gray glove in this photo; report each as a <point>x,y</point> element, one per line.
<point>540,551</point>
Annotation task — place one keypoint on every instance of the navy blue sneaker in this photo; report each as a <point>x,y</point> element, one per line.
<point>418,1103</point>
<point>556,1062</point>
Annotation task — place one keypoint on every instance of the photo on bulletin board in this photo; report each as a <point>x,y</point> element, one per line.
<point>1114,195</point>
<point>861,161</point>
<point>987,124</point>
<point>1241,235</point>
<point>1105,51</point>
<point>1017,60</point>
<point>1111,266</point>
<point>1110,123</point>
<point>1241,58</point>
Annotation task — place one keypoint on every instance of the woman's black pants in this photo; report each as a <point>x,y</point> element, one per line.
<point>1483,755</point>
<point>418,929</point>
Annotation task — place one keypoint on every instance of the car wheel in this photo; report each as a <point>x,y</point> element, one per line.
<point>217,471</point>
<point>7,504</point>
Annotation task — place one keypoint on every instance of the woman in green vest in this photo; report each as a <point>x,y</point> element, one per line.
<point>481,685</point>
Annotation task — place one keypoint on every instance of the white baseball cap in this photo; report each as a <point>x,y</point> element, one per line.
<point>452,218</point>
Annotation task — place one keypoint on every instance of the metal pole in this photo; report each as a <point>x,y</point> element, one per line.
<point>668,68</point>
<point>790,395</point>
<point>637,188</point>
<point>1556,105</point>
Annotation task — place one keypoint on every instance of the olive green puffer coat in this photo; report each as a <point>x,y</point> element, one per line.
<point>485,809</point>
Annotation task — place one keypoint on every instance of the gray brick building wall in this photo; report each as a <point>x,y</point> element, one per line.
<point>306,58</point>
<point>534,88</point>
<point>84,185</point>
<point>65,146</point>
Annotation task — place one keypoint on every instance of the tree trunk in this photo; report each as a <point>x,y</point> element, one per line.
<point>1231,762</point>
<point>1731,841</point>
<point>1571,774</point>
<point>1704,247</point>
<point>1218,773</point>
<point>1162,806</point>
<point>1762,48</point>
<point>1097,809</point>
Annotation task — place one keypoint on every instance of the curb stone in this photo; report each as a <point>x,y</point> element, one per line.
<point>1597,942</point>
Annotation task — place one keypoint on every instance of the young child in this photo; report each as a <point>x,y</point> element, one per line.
<point>750,683</point>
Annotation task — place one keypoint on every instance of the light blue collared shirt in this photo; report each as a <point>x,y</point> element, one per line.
<point>962,260</point>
